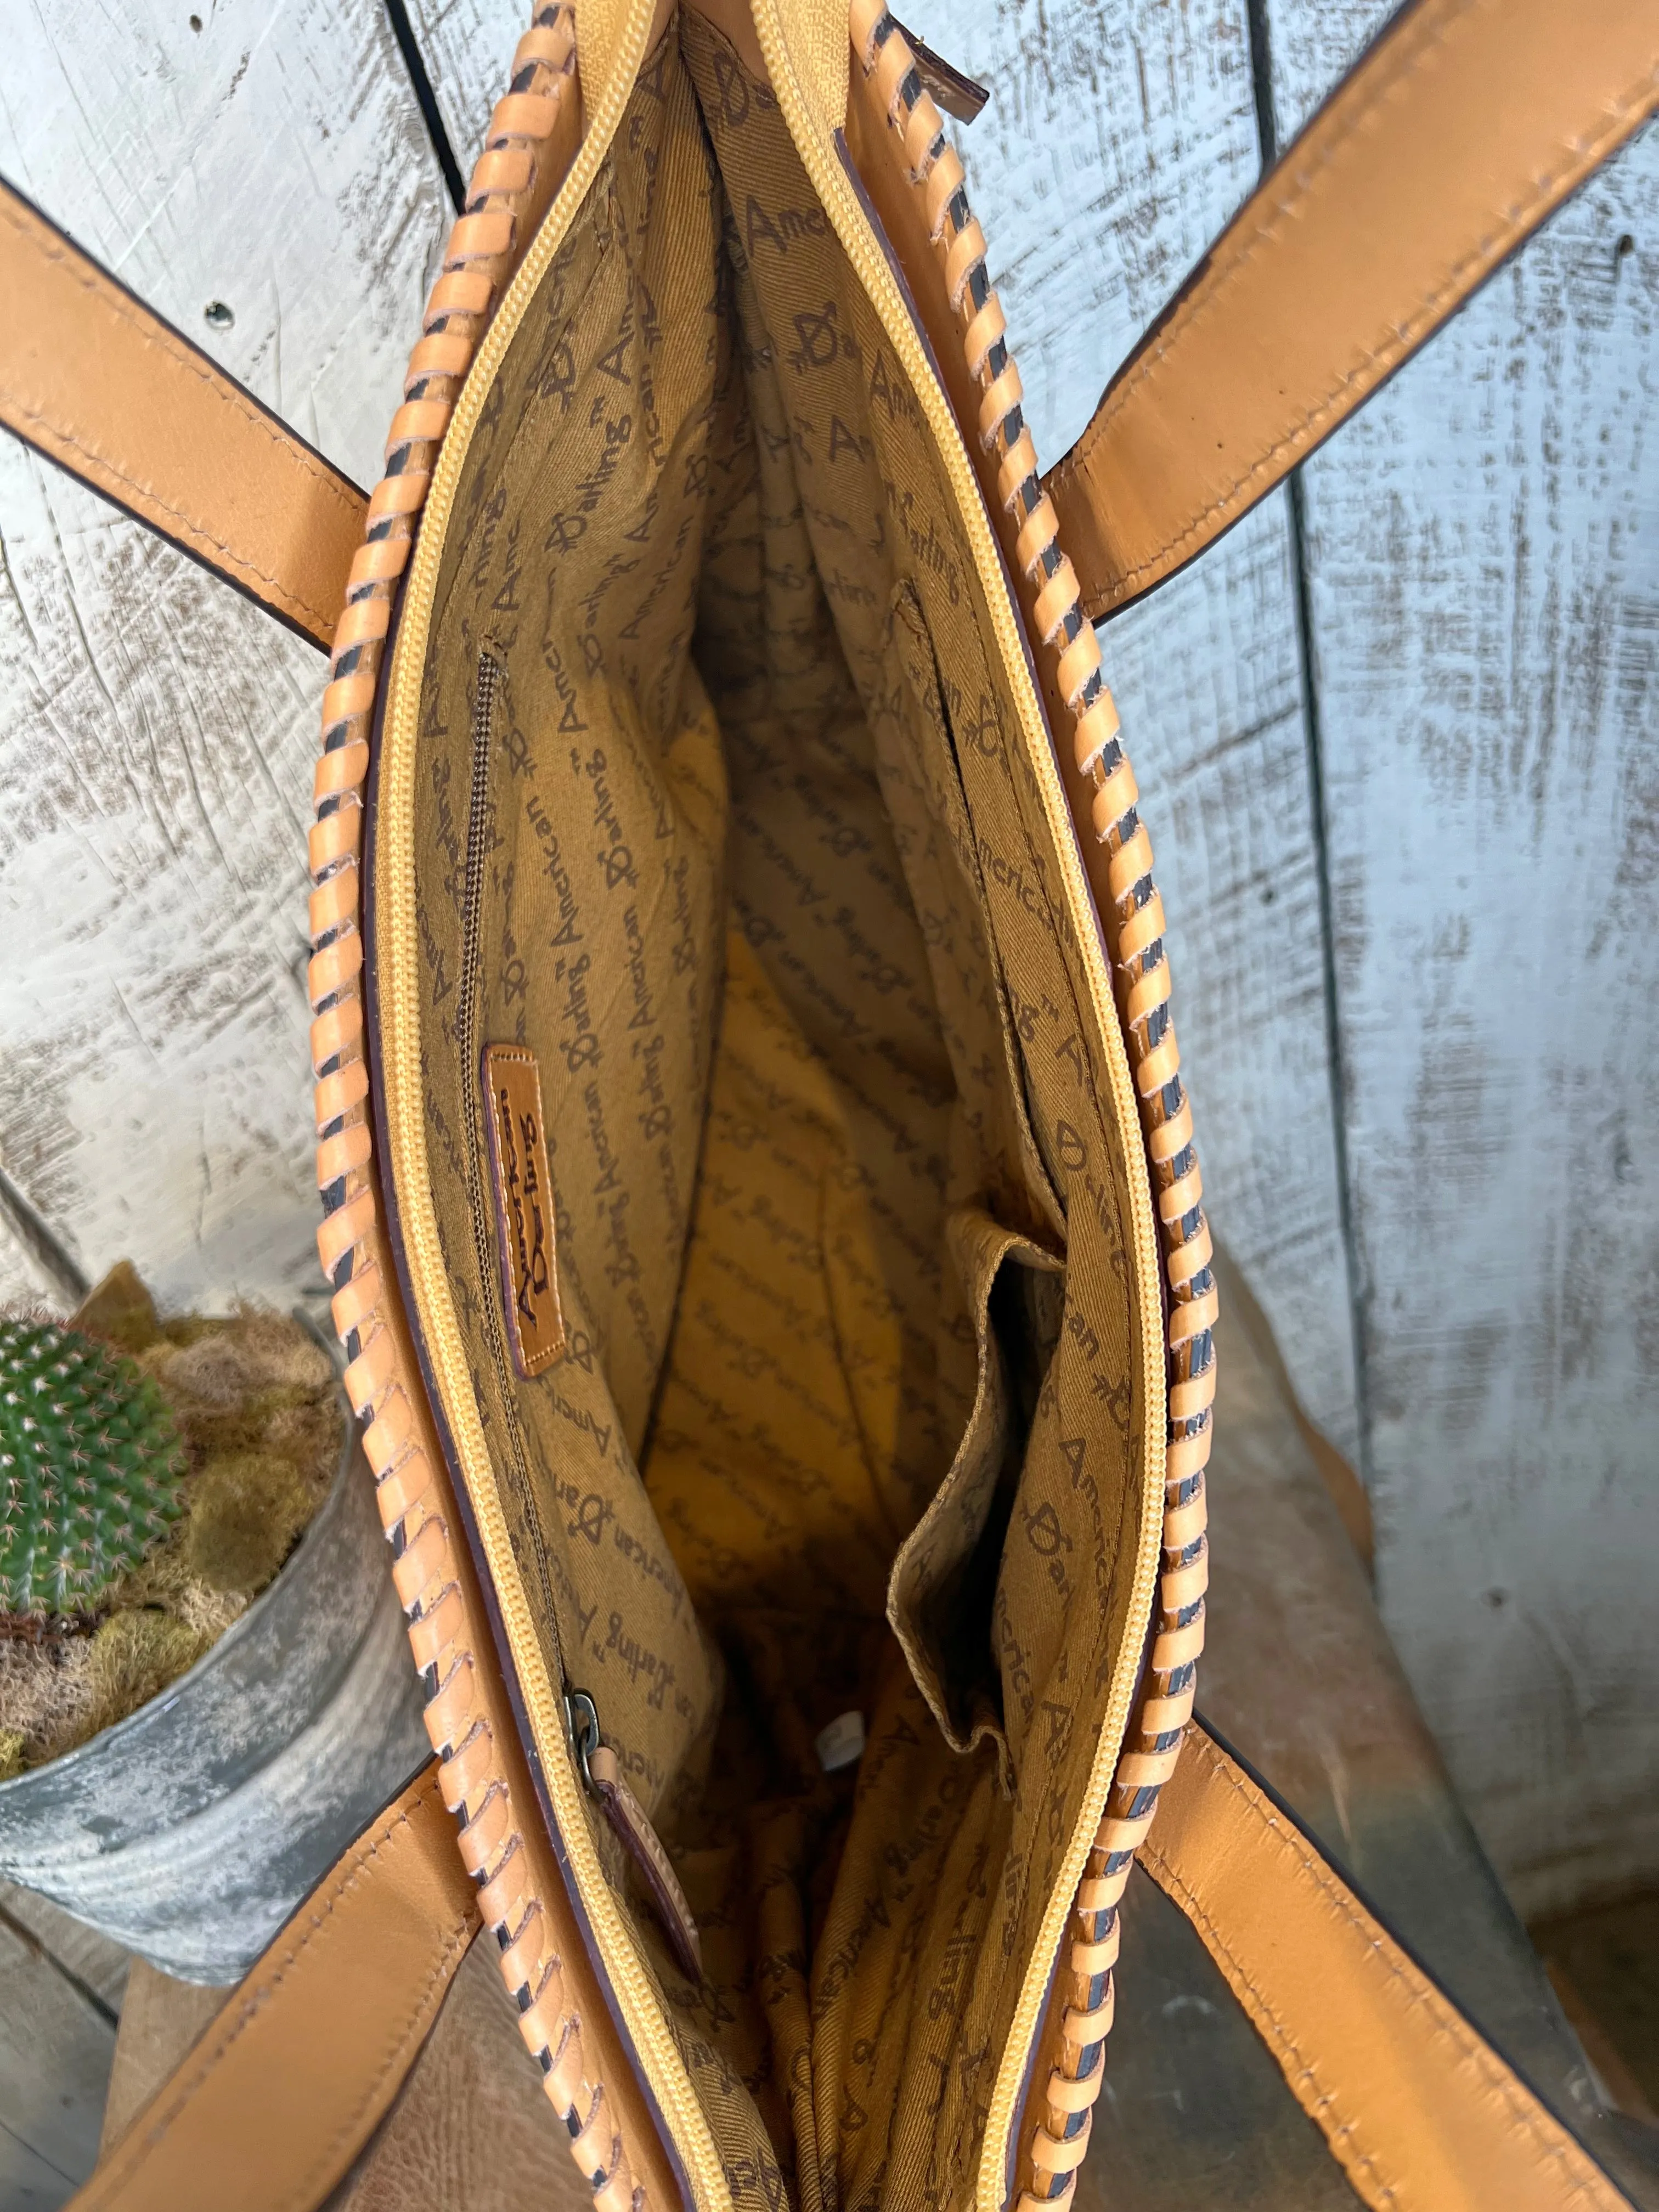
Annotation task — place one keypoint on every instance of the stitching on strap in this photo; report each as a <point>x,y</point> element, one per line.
<point>254,1998</point>
<point>158,336</point>
<point>1340,132</point>
<point>236,564</point>
<point>157,333</point>
<point>1398,340</point>
<point>1526,2119</point>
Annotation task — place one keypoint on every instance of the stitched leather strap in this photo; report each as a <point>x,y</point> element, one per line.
<point>1422,2114</point>
<point>96,381</point>
<point>1456,134</point>
<point>267,2112</point>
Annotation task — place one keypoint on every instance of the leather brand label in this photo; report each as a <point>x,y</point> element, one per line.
<point>524,1206</point>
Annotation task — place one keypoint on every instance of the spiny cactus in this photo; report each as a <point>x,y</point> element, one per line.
<point>90,1467</point>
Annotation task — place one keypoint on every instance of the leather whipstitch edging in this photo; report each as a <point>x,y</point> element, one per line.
<point>1377,1954</point>
<point>148,2134</point>
<point>526,148</point>
<point>1131,919</point>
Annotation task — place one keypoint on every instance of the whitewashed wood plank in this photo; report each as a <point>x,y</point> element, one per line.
<point>155,731</point>
<point>156,735</point>
<point>85,1954</point>
<point>56,2051</point>
<point>272,161</point>
<point>1484,562</point>
<point>1118,140</point>
<point>467,46</point>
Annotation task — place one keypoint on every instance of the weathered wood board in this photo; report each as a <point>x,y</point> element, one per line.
<point>467,46</point>
<point>156,736</point>
<point>1483,569</point>
<point>56,2047</point>
<point>88,1956</point>
<point>156,732</point>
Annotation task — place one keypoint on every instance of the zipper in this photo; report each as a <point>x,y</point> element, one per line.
<point>812,136</point>
<point>471,988</point>
<point>642,2019</point>
<point>469,996</point>
<point>401,1077</point>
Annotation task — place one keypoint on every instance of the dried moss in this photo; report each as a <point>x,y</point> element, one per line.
<point>246,1511</point>
<point>134,1655</point>
<point>257,1408</point>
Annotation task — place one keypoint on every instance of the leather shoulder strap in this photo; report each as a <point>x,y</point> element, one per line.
<point>1456,134</point>
<point>1418,2109</point>
<point>96,382</point>
<point>270,2108</point>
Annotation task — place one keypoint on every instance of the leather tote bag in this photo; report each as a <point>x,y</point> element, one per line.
<point>760,1198</point>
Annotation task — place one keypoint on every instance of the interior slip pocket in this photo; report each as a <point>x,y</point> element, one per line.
<point>921,784</point>
<point>942,1589</point>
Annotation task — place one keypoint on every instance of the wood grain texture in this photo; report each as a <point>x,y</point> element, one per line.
<point>1117,143</point>
<point>467,46</point>
<point>1484,568</point>
<point>56,2047</point>
<point>88,1957</point>
<point>156,736</point>
<point>160,2020</point>
<point>156,732</point>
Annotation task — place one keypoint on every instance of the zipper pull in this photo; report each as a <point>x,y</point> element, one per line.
<point>604,1781</point>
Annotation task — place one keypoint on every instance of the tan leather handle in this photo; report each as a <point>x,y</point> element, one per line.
<point>1420,2112</point>
<point>269,2108</point>
<point>96,382</point>
<point>1460,130</point>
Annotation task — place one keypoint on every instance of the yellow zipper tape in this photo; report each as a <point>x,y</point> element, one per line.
<point>406,1127</point>
<point>814,138</point>
<point>400,1076</point>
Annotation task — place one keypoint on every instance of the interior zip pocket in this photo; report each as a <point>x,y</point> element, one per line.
<point>468,999</point>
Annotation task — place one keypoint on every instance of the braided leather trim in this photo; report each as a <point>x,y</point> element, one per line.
<point>1133,922</point>
<point>531,136</point>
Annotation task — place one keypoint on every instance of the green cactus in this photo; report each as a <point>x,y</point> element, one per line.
<point>90,1467</point>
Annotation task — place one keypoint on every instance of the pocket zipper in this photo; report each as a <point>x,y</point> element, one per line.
<point>598,1765</point>
<point>604,1781</point>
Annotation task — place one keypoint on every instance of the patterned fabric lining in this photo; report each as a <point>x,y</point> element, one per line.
<point>720,817</point>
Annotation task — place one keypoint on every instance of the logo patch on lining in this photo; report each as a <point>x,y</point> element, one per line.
<point>524,1206</point>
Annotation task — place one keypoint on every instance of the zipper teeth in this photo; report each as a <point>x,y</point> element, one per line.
<point>400,1072</point>
<point>483,714</point>
<point>468,995</point>
<point>837,196</point>
<point>401,1058</point>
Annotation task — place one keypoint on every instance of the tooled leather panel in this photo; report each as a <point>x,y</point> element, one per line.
<point>1456,135</point>
<point>101,384</point>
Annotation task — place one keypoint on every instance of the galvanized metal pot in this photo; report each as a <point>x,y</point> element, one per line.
<point>190,1831</point>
